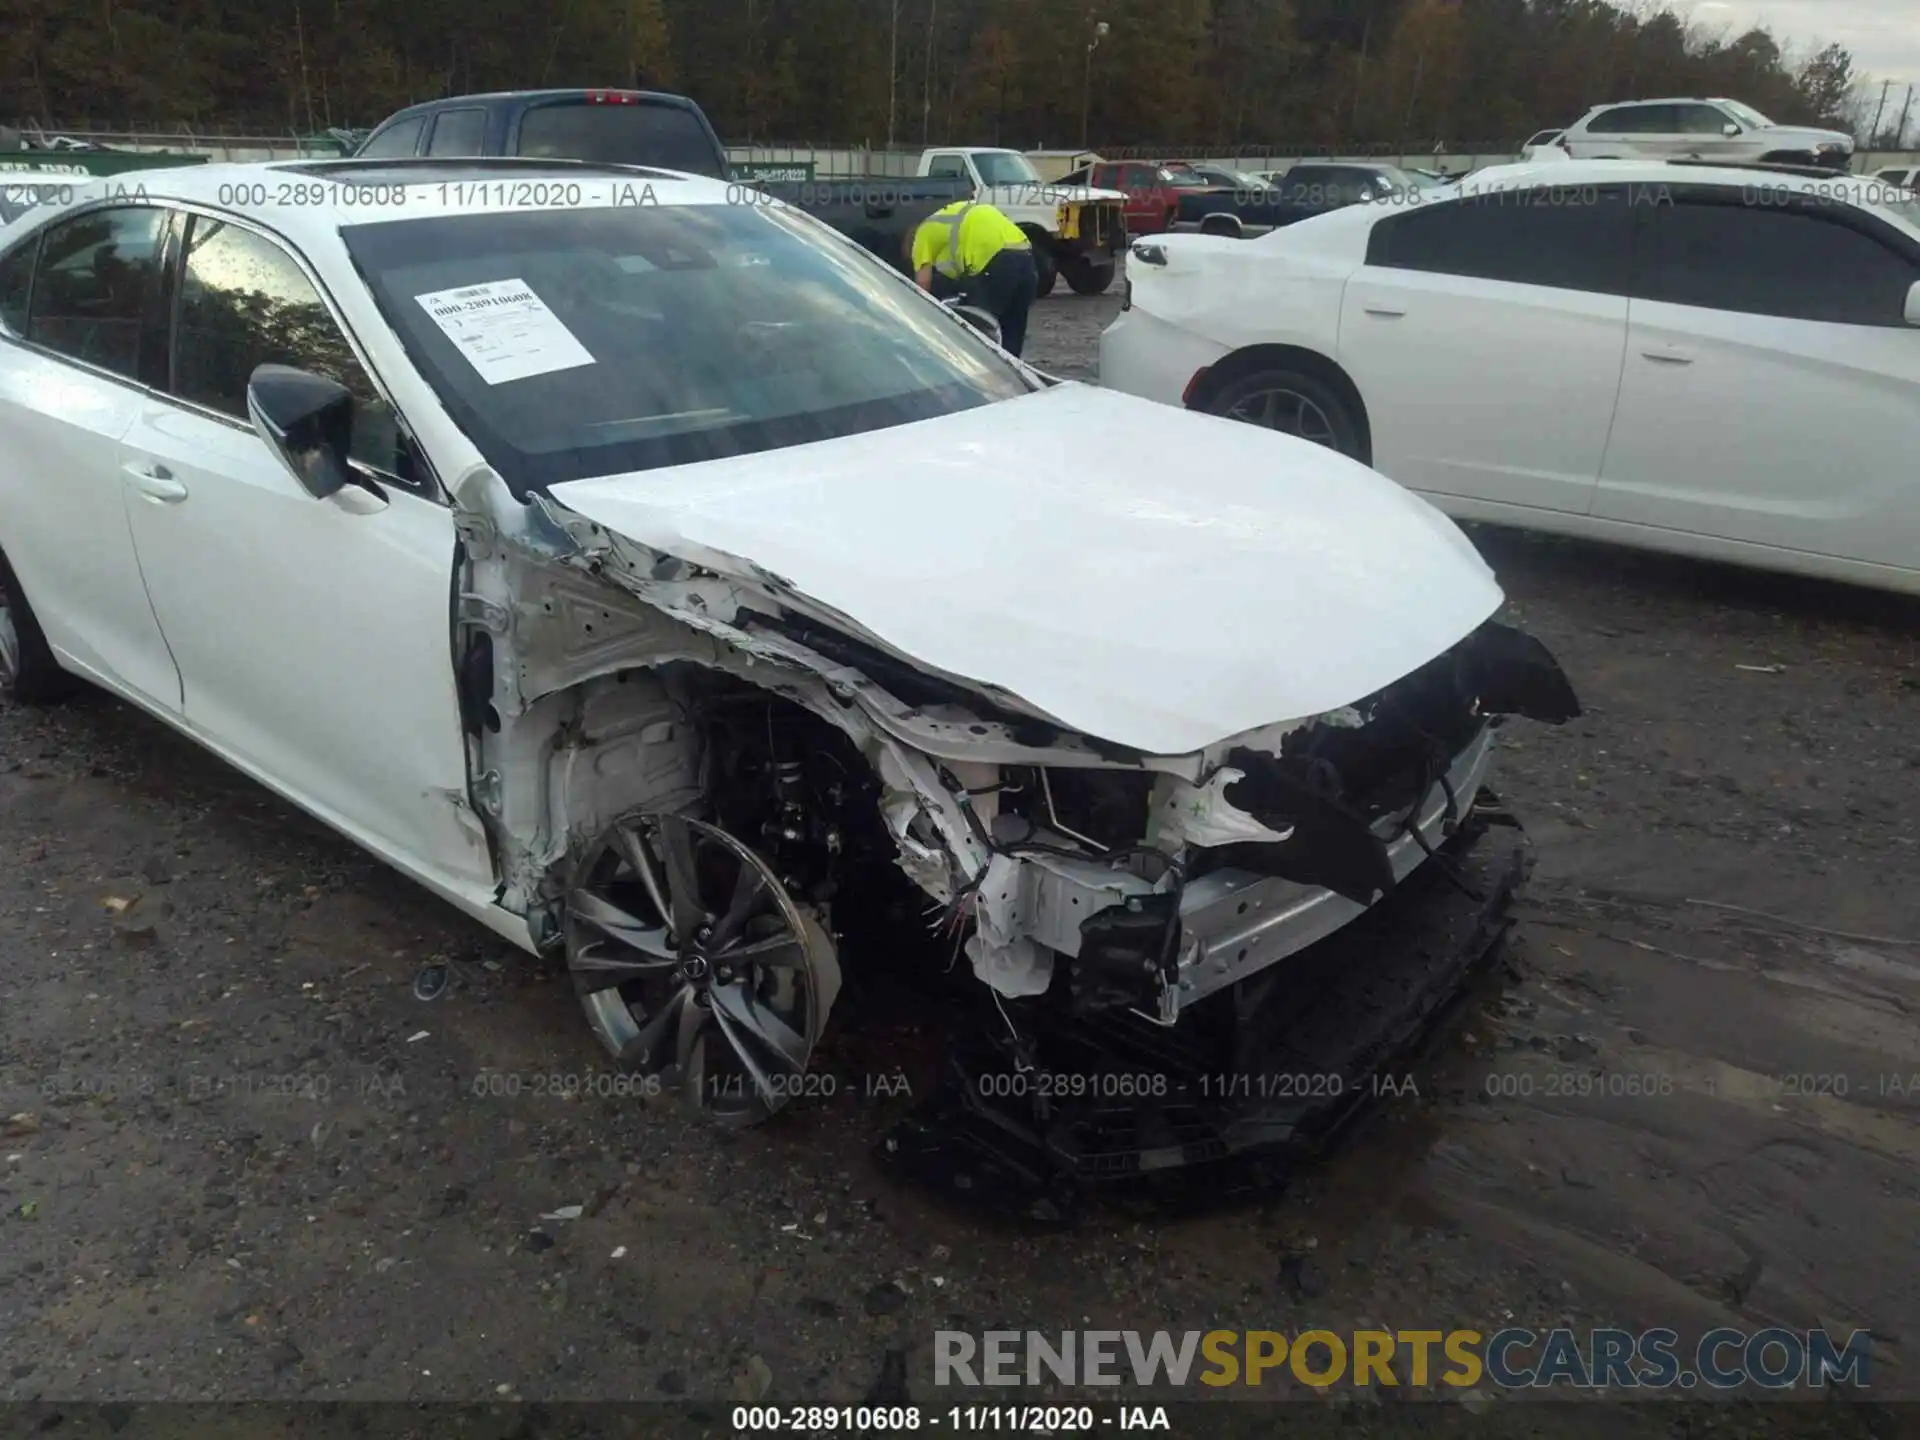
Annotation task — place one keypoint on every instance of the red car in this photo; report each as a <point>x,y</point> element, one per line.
<point>1153,190</point>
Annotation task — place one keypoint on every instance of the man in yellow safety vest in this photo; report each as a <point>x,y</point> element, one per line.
<point>970,249</point>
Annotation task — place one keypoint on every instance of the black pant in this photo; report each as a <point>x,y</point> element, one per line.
<point>1005,290</point>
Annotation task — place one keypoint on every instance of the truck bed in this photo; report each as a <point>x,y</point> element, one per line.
<point>879,212</point>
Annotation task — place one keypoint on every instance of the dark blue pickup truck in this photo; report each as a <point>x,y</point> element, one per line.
<point>659,131</point>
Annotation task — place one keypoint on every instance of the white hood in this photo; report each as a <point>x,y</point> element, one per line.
<point>1144,575</point>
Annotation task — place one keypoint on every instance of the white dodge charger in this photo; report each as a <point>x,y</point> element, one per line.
<point>669,584</point>
<point>1715,361</point>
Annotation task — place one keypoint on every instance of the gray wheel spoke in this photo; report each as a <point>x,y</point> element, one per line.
<point>683,877</point>
<point>689,1049</point>
<point>651,941</point>
<point>738,1011</point>
<point>643,1049</point>
<point>779,952</point>
<point>634,847</point>
<point>746,889</point>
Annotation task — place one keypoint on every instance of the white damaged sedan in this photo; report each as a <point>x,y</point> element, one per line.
<point>674,588</point>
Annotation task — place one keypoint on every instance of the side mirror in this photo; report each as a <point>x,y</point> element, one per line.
<point>1730,129</point>
<point>1913,304</point>
<point>308,421</point>
<point>980,320</point>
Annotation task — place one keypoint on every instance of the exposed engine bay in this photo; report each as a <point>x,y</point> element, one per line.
<point>721,801</point>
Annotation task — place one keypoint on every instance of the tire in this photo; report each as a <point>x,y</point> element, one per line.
<point>1045,269</point>
<point>29,675</point>
<point>1088,277</point>
<point>1294,396</point>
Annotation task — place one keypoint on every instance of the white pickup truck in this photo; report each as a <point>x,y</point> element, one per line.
<point>1076,232</point>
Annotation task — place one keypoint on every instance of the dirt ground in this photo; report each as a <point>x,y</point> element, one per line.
<point>245,1161</point>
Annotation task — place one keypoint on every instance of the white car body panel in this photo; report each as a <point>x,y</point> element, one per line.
<point>1126,518</point>
<point>62,494</point>
<point>1769,475</point>
<point>1539,407</point>
<point>1750,143</point>
<point>267,598</point>
<point>1552,355</point>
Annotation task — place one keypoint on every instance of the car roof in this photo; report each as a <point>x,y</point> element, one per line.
<point>1659,172</point>
<point>558,92</point>
<point>303,199</point>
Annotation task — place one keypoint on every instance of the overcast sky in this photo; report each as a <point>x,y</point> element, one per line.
<point>1884,35</point>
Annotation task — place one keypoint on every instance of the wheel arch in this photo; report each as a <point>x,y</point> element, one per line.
<point>1255,358</point>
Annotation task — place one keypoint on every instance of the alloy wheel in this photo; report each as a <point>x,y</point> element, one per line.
<point>694,962</point>
<point>1289,412</point>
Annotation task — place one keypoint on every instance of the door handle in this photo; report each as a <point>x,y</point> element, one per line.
<point>1668,357</point>
<point>154,482</point>
<point>1385,312</point>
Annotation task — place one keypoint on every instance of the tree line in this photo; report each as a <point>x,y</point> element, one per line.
<point>1400,74</point>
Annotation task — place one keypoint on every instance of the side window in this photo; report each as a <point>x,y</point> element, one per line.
<point>1797,264</point>
<point>1633,120</point>
<point>1308,182</point>
<point>394,142</point>
<point>459,132</point>
<point>243,303</point>
<point>1700,120</point>
<point>97,288</point>
<point>16,282</point>
<point>947,167</point>
<point>1579,238</point>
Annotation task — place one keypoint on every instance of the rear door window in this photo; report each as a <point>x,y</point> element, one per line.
<point>399,139</point>
<point>459,132</point>
<point>612,133</point>
<point>1633,120</point>
<point>1814,262</point>
<point>97,289</point>
<point>1576,238</point>
<point>947,167</point>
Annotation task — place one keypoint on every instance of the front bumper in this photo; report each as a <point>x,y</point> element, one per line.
<point>1207,1111</point>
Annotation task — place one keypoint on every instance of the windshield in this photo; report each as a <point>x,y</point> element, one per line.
<point>1005,167</point>
<point>1745,114</point>
<point>576,342</point>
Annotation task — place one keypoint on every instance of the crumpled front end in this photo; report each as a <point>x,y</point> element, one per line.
<point>605,680</point>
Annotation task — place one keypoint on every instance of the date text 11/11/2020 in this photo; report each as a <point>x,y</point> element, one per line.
<point>825,1420</point>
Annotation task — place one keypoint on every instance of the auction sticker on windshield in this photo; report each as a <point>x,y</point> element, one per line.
<point>505,330</point>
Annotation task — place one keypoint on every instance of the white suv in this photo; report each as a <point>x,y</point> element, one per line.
<point>1702,130</point>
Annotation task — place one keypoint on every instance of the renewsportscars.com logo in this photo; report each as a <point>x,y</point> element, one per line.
<point>1514,1358</point>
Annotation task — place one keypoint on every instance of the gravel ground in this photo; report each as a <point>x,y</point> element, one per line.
<point>245,1161</point>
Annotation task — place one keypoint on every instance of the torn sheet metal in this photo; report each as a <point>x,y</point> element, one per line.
<point>1201,815</point>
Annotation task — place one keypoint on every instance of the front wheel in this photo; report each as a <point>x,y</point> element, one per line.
<point>696,965</point>
<point>1293,403</point>
<point>1045,268</point>
<point>29,674</point>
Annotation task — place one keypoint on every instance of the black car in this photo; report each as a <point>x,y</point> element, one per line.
<point>1311,187</point>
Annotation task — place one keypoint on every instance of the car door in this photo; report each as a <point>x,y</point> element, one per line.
<point>313,636</point>
<point>84,327</point>
<point>1771,392</point>
<point>1626,130</point>
<point>1485,336</point>
<point>1705,129</point>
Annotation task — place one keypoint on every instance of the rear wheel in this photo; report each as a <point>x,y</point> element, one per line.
<point>1090,277</point>
<point>1293,403</point>
<point>28,672</point>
